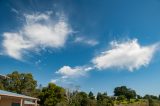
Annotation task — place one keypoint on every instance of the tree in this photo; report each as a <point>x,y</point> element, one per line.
<point>123,90</point>
<point>121,98</point>
<point>22,83</point>
<point>99,96</point>
<point>130,94</point>
<point>139,97</point>
<point>91,96</point>
<point>52,95</point>
<point>120,91</point>
<point>150,97</point>
<point>83,98</point>
<point>69,96</point>
<point>1,85</point>
<point>104,100</point>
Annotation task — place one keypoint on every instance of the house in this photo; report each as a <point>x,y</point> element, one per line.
<point>3,76</point>
<point>14,99</point>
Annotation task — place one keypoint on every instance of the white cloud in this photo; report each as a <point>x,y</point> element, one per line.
<point>14,44</point>
<point>90,42</point>
<point>68,72</point>
<point>36,34</point>
<point>122,55</point>
<point>49,36</point>
<point>127,55</point>
<point>54,80</point>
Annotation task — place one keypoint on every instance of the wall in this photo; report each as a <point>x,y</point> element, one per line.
<point>7,101</point>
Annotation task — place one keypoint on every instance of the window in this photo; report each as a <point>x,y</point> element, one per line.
<point>15,104</point>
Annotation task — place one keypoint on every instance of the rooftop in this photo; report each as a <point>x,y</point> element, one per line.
<point>11,94</point>
<point>3,76</point>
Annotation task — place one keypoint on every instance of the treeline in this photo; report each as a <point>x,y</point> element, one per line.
<point>53,95</point>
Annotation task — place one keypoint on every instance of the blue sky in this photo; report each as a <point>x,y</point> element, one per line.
<point>97,45</point>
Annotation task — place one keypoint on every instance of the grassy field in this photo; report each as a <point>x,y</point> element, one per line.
<point>142,102</point>
<point>153,102</point>
<point>132,102</point>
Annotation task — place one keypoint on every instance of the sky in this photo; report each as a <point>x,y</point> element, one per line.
<point>96,45</point>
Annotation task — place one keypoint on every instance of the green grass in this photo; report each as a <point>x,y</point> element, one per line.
<point>153,102</point>
<point>132,102</point>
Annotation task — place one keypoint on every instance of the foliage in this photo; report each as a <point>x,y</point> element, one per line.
<point>121,98</point>
<point>1,85</point>
<point>22,83</point>
<point>150,97</point>
<point>153,102</point>
<point>139,97</point>
<point>91,96</point>
<point>52,95</point>
<point>104,100</point>
<point>82,98</point>
<point>123,90</point>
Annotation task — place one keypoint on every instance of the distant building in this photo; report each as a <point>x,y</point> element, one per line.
<point>14,99</point>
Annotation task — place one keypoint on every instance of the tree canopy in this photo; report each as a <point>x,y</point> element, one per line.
<point>22,83</point>
<point>51,95</point>
<point>127,92</point>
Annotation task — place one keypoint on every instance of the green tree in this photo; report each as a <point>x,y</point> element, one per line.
<point>121,98</point>
<point>1,85</point>
<point>82,98</point>
<point>91,96</point>
<point>99,96</point>
<point>150,97</point>
<point>104,100</point>
<point>22,83</point>
<point>52,95</point>
<point>139,97</point>
<point>123,90</point>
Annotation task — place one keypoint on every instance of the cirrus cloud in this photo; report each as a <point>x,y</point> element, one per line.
<point>91,42</point>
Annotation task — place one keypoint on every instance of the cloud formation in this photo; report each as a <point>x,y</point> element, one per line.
<point>39,31</point>
<point>68,72</point>
<point>127,55</point>
<point>14,44</point>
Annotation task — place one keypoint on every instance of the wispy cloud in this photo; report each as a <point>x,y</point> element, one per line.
<point>87,41</point>
<point>38,62</point>
<point>39,31</point>
<point>127,55</point>
<point>32,18</point>
<point>15,10</point>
